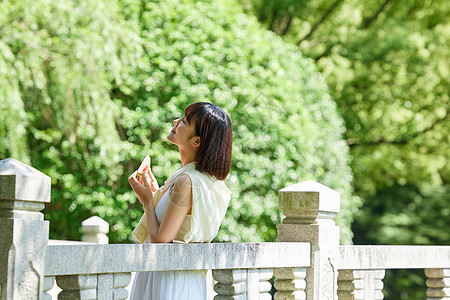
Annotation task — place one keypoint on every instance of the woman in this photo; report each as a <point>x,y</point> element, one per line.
<point>192,203</point>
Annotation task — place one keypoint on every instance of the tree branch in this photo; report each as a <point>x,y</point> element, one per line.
<point>120,129</point>
<point>141,10</point>
<point>261,14</point>
<point>280,24</point>
<point>288,25</point>
<point>324,17</point>
<point>272,22</point>
<point>352,142</point>
<point>370,20</point>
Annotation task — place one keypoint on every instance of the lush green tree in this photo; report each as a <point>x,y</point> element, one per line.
<point>386,64</point>
<point>112,80</point>
<point>58,63</point>
<point>285,125</point>
<point>405,214</point>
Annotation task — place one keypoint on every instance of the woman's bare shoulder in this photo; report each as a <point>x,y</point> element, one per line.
<point>181,193</point>
<point>184,181</point>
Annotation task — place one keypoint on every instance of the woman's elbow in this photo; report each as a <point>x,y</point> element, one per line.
<point>161,240</point>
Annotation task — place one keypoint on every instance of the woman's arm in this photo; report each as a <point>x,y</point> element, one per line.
<point>179,205</point>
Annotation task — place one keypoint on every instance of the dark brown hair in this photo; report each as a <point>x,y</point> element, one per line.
<point>213,126</point>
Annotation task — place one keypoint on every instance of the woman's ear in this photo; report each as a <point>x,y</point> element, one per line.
<point>196,141</point>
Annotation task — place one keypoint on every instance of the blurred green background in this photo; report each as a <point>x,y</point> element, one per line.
<point>352,94</point>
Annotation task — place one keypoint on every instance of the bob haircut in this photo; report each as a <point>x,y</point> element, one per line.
<point>213,126</point>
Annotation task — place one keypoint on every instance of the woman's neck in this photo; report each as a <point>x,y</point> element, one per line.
<point>187,156</point>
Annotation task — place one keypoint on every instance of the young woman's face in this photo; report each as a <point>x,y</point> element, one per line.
<point>182,133</point>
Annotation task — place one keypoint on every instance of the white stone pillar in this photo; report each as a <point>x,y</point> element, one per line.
<point>94,230</point>
<point>309,208</point>
<point>23,231</point>
<point>438,283</point>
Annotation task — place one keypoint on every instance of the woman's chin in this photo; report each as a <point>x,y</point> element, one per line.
<point>170,138</point>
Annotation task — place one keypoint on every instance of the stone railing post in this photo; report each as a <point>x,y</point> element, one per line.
<point>94,230</point>
<point>309,208</point>
<point>438,283</point>
<point>23,231</point>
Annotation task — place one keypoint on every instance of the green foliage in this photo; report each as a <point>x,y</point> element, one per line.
<point>386,64</point>
<point>405,284</point>
<point>59,60</point>
<point>285,125</point>
<point>405,215</point>
<point>114,80</point>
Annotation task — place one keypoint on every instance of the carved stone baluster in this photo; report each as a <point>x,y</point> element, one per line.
<point>258,285</point>
<point>438,283</point>
<point>49,282</point>
<point>378,276</point>
<point>121,281</point>
<point>243,284</point>
<point>373,283</point>
<point>76,287</point>
<point>264,284</point>
<point>100,286</point>
<point>105,284</point>
<point>360,284</point>
<point>231,284</point>
<point>348,287</point>
<point>290,283</point>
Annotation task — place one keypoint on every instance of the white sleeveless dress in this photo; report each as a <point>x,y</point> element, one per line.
<point>168,284</point>
<point>210,200</point>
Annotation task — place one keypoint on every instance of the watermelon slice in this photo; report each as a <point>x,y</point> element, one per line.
<point>145,165</point>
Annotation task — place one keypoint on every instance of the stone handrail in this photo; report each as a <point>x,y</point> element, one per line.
<point>242,270</point>
<point>104,259</point>
<point>306,262</point>
<point>362,269</point>
<point>393,257</point>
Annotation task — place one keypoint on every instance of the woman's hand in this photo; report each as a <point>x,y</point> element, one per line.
<point>153,183</point>
<point>143,188</point>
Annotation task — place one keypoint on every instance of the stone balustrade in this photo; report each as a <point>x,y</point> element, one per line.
<point>238,268</point>
<point>362,268</point>
<point>307,262</point>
